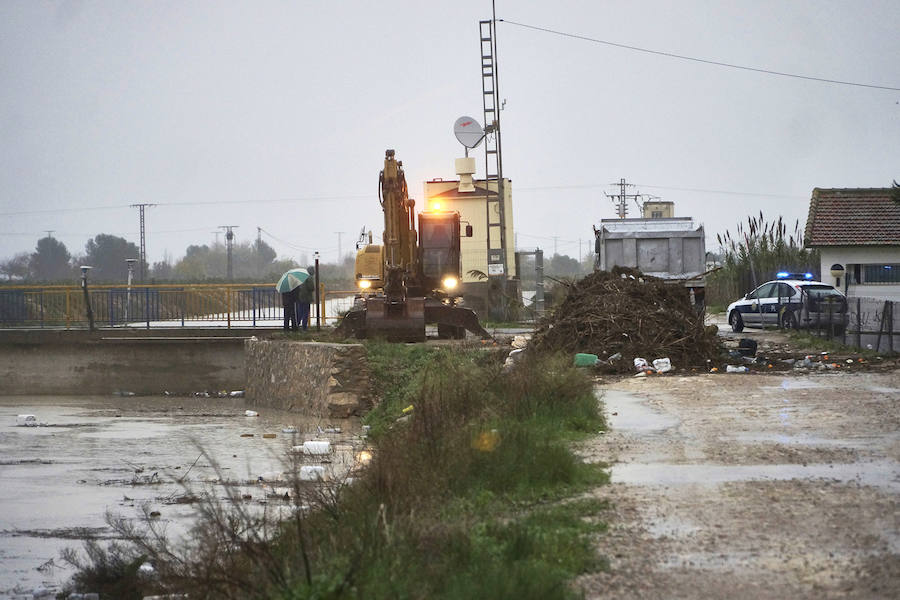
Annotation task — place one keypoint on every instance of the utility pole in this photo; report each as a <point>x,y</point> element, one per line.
<point>340,256</point>
<point>141,208</point>
<point>217,233</point>
<point>621,199</point>
<point>229,242</point>
<point>50,233</point>
<point>259,265</point>
<point>555,240</point>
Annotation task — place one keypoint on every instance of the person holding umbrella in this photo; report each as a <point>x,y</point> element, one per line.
<point>288,285</point>
<point>305,294</point>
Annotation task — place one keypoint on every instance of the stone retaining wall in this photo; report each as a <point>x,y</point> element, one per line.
<point>76,363</point>
<point>313,378</point>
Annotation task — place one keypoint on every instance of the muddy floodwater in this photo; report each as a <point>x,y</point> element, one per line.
<point>751,486</point>
<point>90,455</point>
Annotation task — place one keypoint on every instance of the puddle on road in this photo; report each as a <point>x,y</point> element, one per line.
<point>880,474</point>
<point>629,411</point>
<point>798,440</point>
<point>794,383</point>
<point>885,390</point>
<point>636,416</point>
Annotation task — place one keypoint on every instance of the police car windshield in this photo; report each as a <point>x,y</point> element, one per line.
<point>821,290</point>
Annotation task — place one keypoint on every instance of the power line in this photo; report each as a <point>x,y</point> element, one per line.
<point>188,203</point>
<point>590,186</point>
<point>700,60</point>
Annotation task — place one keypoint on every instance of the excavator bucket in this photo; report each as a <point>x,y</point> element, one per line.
<point>402,321</point>
<point>453,321</point>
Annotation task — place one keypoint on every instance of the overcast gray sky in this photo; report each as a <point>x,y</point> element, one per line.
<point>277,114</point>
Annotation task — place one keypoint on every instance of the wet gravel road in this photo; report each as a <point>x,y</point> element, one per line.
<point>751,486</point>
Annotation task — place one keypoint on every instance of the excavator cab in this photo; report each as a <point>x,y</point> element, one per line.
<point>439,255</point>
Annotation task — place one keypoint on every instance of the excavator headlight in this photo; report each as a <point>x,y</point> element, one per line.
<point>364,284</point>
<point>450,283</point>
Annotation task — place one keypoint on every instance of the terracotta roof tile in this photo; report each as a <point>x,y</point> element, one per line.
<point>853,217</point>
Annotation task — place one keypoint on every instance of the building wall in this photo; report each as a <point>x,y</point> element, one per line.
<point>861,255</point>
<point>665,208</point>
<point>473,209</point>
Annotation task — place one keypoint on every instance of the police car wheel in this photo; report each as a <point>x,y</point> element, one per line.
<point>736,322</point>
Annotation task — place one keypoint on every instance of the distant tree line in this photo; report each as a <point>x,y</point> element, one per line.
<point>51,262</point>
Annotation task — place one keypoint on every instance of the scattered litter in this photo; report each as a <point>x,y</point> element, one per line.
<point>747,347</point>
<point>314,447</point>
<point>736,369</point>
<point>408,409</point>
<point>519,342</point>
<point>640,364</point>
<point>714,370</point>
<point>26,421</point>
<point>155,514</point>
<point>146,568</point>
<point>662,365</point>
<point>806,363</point>
<point>237,394</point>
<point>246,435</point>
<point>583,359</point>
<point>269,436</point>
<point>615,357</point>
<point>641,374</point>
<point>271,476</point>
<point>289,429</point>
<point>123,393</point>
<point>312,473</point>
<point>251,413</point>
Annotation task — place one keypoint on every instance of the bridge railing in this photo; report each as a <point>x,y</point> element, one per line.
<point>201,305</point>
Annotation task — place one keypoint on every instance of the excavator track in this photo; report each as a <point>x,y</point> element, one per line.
<point>378,319</point>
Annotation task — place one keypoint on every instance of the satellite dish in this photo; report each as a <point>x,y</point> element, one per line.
<point>468,131</point>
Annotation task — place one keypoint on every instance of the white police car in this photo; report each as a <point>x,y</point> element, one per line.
<point>791,301</point>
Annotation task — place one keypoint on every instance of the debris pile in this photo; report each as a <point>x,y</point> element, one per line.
<point>623,312</point>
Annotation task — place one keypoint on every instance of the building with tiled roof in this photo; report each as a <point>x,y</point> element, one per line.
<point>857,230</point>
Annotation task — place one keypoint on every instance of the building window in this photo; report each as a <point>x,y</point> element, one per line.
<point>881,273</point>
<point>656,214</point>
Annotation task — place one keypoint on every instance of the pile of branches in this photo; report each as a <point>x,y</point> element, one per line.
<point>625,312</point>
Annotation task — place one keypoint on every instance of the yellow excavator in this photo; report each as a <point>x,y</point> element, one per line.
<point>412,277</point>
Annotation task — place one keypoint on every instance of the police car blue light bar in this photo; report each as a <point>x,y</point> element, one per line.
<point>786,275</point>
<point>782,275</point>
<point>807,276</point>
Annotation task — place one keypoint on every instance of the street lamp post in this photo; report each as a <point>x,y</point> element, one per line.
<point>87,298</point>
<point>130,262</point>
<point>318,308</point>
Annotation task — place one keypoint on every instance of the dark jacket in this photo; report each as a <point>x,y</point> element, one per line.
<point>306,293</point>
<point>289,298</point>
